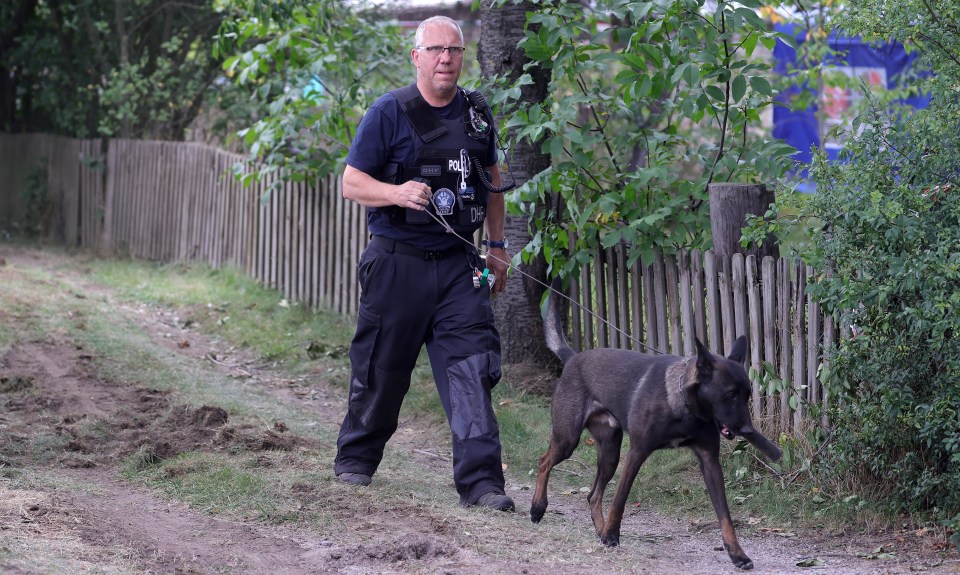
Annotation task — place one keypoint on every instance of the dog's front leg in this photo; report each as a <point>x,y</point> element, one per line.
<point>713,476</point>
<point>610,534</point>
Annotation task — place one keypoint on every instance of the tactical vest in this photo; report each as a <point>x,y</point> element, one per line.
<point>444,152</point>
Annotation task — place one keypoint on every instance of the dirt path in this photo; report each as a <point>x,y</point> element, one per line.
<point>96,522</point>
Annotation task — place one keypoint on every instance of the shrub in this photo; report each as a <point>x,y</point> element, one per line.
<point>887,244</point>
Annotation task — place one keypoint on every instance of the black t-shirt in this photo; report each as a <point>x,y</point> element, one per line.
<point>385,136</point>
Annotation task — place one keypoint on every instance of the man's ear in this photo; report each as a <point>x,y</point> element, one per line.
<point>739,351</point>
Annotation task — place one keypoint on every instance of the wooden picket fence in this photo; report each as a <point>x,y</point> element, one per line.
<point>73,186</point>
<point>174,201</point>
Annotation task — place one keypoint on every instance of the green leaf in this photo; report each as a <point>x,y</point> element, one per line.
<point>761,85</point>
<point>752,17</point>
<point>679,72</point>
<point>654,54</point>
<point>785,38</point>
<point>749,43</point>
<point>611,238</point>
<point>738,88</point>
<point>715,92</point>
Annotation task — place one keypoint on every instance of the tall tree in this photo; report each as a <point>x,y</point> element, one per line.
<point>500,55</point>
<point>106,67</point>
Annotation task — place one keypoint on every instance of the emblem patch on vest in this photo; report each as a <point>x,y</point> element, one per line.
<point>444,199</point>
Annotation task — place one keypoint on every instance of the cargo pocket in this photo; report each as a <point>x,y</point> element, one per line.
<point>363,353</point>
<point>470,383</point>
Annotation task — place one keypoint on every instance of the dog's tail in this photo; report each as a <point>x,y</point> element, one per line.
<point>553,323</point>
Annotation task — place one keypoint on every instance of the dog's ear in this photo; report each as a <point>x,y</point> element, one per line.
<point>739,351</point>
<point>704,360</point>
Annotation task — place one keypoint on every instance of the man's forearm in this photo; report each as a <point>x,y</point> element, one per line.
<point>367,191</point>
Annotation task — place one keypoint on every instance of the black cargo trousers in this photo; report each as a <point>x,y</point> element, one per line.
<point>410,297</point>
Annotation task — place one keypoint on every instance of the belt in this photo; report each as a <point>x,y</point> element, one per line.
<point>391,246</point>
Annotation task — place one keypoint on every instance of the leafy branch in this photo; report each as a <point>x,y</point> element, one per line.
<point>632,157</point>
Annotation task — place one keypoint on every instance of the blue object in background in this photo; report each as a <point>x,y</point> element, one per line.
<point>313,91</point>
<point>878,64</point>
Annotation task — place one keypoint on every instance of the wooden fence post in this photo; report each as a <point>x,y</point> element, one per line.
<point>729,206</point>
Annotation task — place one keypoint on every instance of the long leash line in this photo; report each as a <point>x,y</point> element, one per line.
<point>449,229</point>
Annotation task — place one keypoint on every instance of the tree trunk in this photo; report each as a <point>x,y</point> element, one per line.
<point>729,206</point>
<point>517,308</point>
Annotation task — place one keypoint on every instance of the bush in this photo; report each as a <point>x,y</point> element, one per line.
<point>887,244</point>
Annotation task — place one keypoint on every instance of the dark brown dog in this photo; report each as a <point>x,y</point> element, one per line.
<point>661,401</point>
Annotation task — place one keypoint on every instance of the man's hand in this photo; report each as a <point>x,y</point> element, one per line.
<point>498,262</point>
<point>412,194</point>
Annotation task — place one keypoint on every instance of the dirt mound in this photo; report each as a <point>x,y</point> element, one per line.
<point>407,547</point>
<point>99,423</point>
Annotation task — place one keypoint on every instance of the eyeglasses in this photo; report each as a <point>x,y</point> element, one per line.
<point>436,51</point>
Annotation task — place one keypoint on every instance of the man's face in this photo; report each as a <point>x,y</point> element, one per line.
<point>438,73</point>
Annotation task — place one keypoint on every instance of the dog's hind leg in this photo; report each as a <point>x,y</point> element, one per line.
<point>559,450</point>
<point>609,438</point>
<point>636,455</point>
<point>709,457</point>
<point>568,416</point>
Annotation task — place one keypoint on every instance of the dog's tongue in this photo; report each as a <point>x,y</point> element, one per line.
<point>725,431</point>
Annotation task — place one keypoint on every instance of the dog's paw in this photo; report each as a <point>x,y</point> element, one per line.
<point>611,539</point>
<point>536,513</point>
<point>742,562</point>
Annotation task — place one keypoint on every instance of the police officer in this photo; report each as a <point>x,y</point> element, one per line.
<point>424,163</point>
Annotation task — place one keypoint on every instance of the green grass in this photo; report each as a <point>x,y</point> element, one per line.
<point>226,304</point>
<point>7,335</point>
<point>212,295</point>
<point>216,483</point>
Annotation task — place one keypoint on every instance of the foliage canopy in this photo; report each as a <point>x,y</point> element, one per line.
<point>649,102</point>
<point>315,68</point>
<point>88,68</point>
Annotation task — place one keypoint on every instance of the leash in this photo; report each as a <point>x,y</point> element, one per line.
<point>449,229</point>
